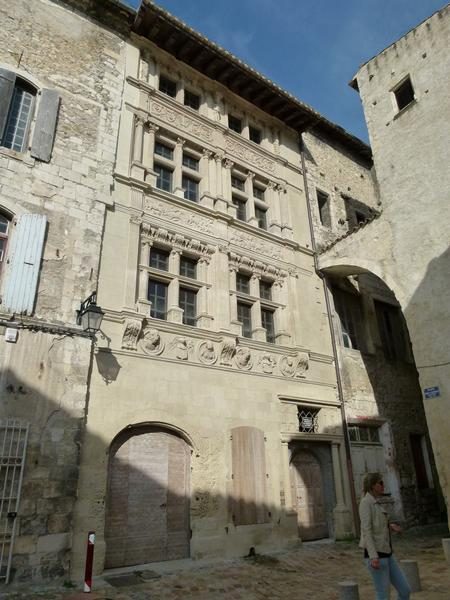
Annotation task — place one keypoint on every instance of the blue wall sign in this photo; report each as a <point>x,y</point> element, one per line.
<point>432,392</point>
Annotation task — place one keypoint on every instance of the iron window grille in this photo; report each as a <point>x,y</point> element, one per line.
<point>308,419</point>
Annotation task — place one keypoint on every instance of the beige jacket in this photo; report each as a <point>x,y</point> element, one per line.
<point>374,527</point>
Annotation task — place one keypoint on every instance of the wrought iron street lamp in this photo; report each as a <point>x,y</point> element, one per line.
<point>90,316</point>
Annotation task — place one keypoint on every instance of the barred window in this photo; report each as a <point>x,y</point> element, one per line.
<point>308,419</point>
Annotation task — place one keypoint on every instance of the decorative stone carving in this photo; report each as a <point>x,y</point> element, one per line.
<point>227,352</point>
<point>164,211</point>
<point>207,353</point>
<point>244,240</point>
<point>302,365</point>
<point>267,362</point>
<point>131,334</point>
<point>151,342</point>
<point>252,157</point>
<point>243,359</point>
<point>182,347</point>
<point>185,122</point>
<point>295,366</point>
<point>287,366</point>
<point>178,241</point>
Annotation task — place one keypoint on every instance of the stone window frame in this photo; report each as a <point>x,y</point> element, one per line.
<point>257,271</point>
<point>177,245</point>
<point>246,195</point>
<point>398,89</point>
<point>324,200</point>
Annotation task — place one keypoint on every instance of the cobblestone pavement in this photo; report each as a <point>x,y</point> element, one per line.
<point>308,573</point>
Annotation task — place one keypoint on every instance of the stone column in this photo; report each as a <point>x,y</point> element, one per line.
<point>251,218</point>
<point>236,326</point>
<point>245,127</point>
<point>223,183</point>
<point>143,301</point>
<point>178,173</point>
<point>342,515</point>
<point>287,477</point>
<point>286,222</point>
<point>137,170</point>
<point>204,319</point>
<point>258,331</point>
<point>220,290</point>
<point>174,312</point>
<point>134,228</point>
<point>279,294</point>
<point>206,197</point>
<point>149,152</point>
<point>273,200</point>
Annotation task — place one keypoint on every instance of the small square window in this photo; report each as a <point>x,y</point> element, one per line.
<point>261,217</point>
<point>265,289</point>
<point>244,315</point>
<point>258,193</point>
<point>237,183</point>
<point>167,86</point>
<point>159,259</point>
<point>192,100</point>
<point>235,124</point>
<point>242,283</point>
<point>268,324</point>
<point>241,209</point>
<point>404,93</point>
<point>308,419</point>
<point>163,178</point>
<point>190,162</point>
<point>163,150</point>
<point>188,267</point>
<point>190,187</point>
<point>255,134</point>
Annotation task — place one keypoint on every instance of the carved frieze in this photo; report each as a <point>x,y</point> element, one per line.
<point>254,158</point>
<point>244,240</point>
<point>165,211</point>
<point>207,352</point>
<point>243,359</point>
<point>267,362</point>
<point>227,352</point>
<point>181,346</point>
<point>181,242</point>
<point>295,366</point>
<point>131,333</point>
<point>184,122</point>
<point>151,342</point>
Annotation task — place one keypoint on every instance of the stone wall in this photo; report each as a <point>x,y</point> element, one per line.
<point>45,373</point>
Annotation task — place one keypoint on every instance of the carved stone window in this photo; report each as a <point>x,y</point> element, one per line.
<point>308,421</point>
<point>167,86</point>
<point>173,277</point>
<point>192,100</point>
<point>255,134</point>
<point>235,124</point>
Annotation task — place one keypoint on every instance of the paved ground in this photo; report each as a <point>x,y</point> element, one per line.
<point>309,573</point>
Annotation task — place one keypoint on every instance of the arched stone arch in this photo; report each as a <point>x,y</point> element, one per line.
<point>148,495</point>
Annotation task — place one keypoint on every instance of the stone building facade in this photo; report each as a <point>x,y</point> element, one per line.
<point>406,103</point>
<point>60,92</point>
<point>210,419</point>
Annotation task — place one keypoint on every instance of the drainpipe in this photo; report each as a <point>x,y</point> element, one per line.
<point>333,342</point>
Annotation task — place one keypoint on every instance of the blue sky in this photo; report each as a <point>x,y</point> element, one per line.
<point>311,48</point>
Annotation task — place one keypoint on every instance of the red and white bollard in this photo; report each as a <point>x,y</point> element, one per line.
<point>89,561</point>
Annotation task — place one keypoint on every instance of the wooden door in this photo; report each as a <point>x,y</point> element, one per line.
<point>147,516</point>
<point>308,496</point>
<point>366,459</point>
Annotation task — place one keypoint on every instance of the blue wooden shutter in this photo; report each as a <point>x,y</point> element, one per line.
<point>45,127</point>
<point>7,82</point>
<point>24,260</point>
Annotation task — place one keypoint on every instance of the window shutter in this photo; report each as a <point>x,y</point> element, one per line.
<point>7,82</point>
<point>249,504</point>
<point>24,264</point>
<point>44,129</point>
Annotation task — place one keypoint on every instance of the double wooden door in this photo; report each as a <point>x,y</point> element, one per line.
<point>307,484</point>
<point>147,513</point>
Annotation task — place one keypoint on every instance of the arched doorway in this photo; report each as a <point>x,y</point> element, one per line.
<point>147,510</point>
<point>308,496</point>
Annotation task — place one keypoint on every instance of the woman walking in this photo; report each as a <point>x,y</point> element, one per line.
<point>376,541</point>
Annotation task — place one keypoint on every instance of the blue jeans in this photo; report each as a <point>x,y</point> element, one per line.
<point>389,573</point>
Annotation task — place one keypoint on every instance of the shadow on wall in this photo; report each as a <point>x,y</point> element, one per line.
<point>151,512</point>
